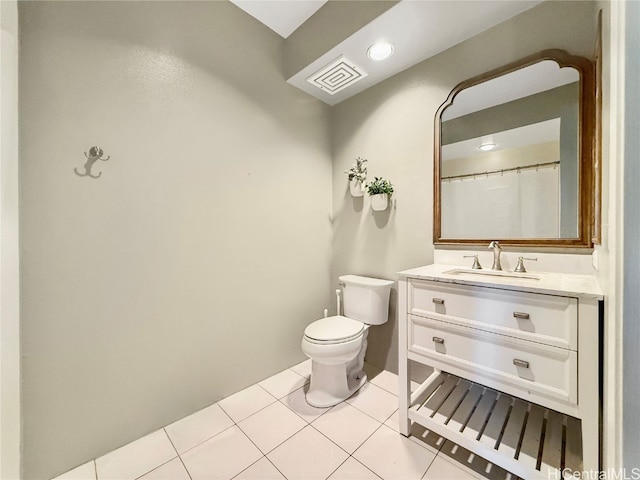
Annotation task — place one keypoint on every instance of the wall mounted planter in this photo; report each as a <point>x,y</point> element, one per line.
<point>356,187</point>
<point>379,202</point>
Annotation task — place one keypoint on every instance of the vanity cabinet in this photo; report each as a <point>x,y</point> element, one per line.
<point>515,365</point>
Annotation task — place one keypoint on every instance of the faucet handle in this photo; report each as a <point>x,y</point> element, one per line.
<point>476,263</point>
<point>520,267</point>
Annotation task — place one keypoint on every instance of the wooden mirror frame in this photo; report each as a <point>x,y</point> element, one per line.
<point>586,114</point>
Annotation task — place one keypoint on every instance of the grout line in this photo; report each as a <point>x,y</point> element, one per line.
<point>430,463</point>
<point>164,429</point>
<point>185,468</point>
<point>243,419</point>
<point>366,439</point>
<point>274,466</point>
<point>356,460</point>
<point>95,468</point>
<point>248,467</point>
<point>157,467</point>
<point>206,439</point>
<point>336,469</point>
<point>266,453</point>
<point>178,453</point>
<point>330,439</point>
<point>223,411</point>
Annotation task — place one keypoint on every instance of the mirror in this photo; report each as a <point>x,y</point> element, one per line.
<point>513,155</point>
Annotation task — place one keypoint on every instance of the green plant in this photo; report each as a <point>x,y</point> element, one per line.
<point>358,171</point>
<point>379,185</point>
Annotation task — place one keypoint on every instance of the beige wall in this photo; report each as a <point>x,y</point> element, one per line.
<point>190,268</point>
<point>391,124</point>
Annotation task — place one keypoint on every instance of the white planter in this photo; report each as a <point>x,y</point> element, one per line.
<point>356,187</point>
<point>379,202</point>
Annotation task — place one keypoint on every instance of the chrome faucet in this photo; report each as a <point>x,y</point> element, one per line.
<point>495,246</point>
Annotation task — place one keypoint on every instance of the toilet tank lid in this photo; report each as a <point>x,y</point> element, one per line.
<point>334,328</point>
<point>365,281</point>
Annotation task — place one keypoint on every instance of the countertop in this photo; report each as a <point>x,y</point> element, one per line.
<point>563,284</point>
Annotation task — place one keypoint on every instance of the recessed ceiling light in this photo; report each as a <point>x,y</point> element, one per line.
<point>485,147</point>
<point>380,50</point>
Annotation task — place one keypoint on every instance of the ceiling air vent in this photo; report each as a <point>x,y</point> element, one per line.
<point>337,76</point>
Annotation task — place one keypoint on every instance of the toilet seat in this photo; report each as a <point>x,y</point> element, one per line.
<point>333,330</point>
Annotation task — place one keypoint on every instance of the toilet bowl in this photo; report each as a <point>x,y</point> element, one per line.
<point>337,345</point>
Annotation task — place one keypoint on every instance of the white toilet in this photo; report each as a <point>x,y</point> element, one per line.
<point>336,345</point>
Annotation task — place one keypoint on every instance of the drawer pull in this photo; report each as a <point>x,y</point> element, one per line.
<point>521,315</point>
<point>438,301</point>
<point>438,340</point>
<point>520,363</point>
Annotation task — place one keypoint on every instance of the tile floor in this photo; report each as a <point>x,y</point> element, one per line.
<point>268,431</point>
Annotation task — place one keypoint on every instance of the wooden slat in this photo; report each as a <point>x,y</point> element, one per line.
<point>460,418</point>
<point>552,450</point>
<point>426,389</point>
<point>448,408</point>
<point>532,436</point>
<point>509,443</point>
<point>493,429</point>
<point>466,410</point>
<point>477,420</point>
<point>573,449</point>
<point>437,399</point>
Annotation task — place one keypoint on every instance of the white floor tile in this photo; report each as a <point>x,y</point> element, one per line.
<point>215,448</point>
<point>297,402</point>
<point>374,401</point>
<point>283,383</point>
<point>83,472</point>
<point>472,464</point>
<point>136,458</point>
<point>173,470</point>
<point>263,469</point>
<point>387,381</point>
<point>353,470</point>
<point>307,455</point>
<point>303,368</point>
<point>246,402</point>
<point>392,456</point>
<point>442,469</point>
<point>347,426</point>
<point>271,426</point>
<point>195,429</point>
<point>418,433</point>
<point>394,421</point>
<point>222,456</point>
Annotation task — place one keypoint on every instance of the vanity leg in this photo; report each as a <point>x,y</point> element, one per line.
<point>404,383</point>
<point>588,383</point>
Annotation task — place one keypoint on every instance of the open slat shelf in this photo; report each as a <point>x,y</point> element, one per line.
<point>521,437</point>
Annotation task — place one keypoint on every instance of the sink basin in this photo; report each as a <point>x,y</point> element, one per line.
<point>492,273</point>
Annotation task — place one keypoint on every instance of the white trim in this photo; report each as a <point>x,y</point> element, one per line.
<point>10,424</point>
<point>613,383</point>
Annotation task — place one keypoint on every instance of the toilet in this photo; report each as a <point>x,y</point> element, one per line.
<point>337,345</point>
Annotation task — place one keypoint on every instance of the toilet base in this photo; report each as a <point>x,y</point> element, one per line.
<point>330,386</point>
<point>332,383</point>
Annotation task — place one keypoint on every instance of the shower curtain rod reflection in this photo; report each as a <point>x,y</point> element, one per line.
<point>512,169</point>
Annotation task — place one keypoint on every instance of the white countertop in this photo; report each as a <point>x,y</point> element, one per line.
<point>564,284</point>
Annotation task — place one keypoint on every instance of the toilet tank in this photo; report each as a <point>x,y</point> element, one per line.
<point>366,299</point>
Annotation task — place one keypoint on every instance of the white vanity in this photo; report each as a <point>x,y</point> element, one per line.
<point>516,359</point>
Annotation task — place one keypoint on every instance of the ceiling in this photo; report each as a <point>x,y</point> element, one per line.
<point>418,29</point>
<point>281,16</point>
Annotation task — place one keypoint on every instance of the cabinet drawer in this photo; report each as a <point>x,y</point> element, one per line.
<point>508,364</point>
<point>547,319</point>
